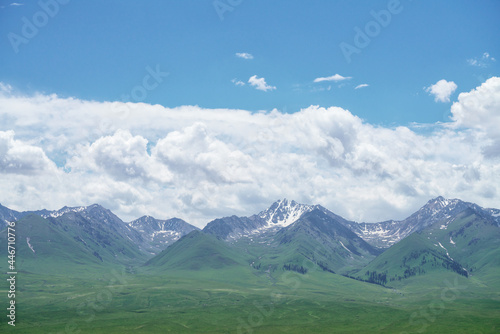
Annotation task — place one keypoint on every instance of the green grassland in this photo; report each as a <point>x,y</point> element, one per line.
<point>234,300</point>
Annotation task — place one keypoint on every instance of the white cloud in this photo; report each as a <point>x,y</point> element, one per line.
<point>480,109</point>
<point>260,83</point>
<point>122,156</point>
<point>238,82</point>
<point>361,86</point>
<point>336,78</point>
<point>16,4</point>
<point>244,55</point>
<point>199,164</point>
<point>17,157</point>
<point>482,61</point>
<point>442,90</point>
<point>195,155</point>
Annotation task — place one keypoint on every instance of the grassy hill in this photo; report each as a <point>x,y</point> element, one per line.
<point>197,251</point>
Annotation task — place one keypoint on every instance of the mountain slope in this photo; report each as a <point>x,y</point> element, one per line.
<point>467,243</point>
<point>472,238</point>
<point>42,247</point>
<point>415,255</point>
<point>100,232</point>
<point>197,251</point>
<point>318,238</point>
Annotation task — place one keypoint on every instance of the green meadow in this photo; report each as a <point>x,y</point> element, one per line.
<point>240,300</point>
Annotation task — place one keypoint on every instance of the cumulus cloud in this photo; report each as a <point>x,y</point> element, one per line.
<point>122,156</point>
<point>199,164</point>
<point>480,109</point>
<point>361,86</point>
<point>17,157</point>
<point>260,83</point>
<point>195,155</point>
<point>335,77</point>
<point>244,55</point>
<point>442,90</point>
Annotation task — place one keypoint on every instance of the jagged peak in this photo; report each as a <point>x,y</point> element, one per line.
<point>284,212</point>
<point>145,217</point>
<point>441,202</point>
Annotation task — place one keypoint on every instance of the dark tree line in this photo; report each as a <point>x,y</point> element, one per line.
<point>296,268</point>
<point>377,278</point>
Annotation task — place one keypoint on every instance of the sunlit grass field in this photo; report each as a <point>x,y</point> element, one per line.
<point>235,300</point>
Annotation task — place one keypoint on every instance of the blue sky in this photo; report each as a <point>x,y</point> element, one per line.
<point>99,50</point>
<point>200,109</point>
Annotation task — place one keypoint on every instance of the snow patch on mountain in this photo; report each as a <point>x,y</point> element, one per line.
<point>347,249</point>
<point>447,254</point>
<point>29,245</point>
<point>59,213</point>
<point>160,233</point>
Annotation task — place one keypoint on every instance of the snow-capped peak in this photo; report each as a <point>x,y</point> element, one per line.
<point>439,204</point>
<point>59,213</point>
<point>284,212</point>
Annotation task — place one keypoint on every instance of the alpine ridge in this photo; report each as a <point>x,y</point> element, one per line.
<point>388,233</point>
<point>160,233</point>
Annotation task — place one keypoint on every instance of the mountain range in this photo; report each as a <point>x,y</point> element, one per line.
<point>444,235</point>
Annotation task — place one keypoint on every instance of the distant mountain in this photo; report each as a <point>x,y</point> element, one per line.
<point>465,242</point>
<point>43,247</point>
<point>388,233</point>
<point>285,236</point>
<point>325,241</point>
<point>90,235</point>
<point>161,233</point>
<point>280,214</point>
<point>288,232</point>
<point>101,232</point>
<point>233,227</point>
